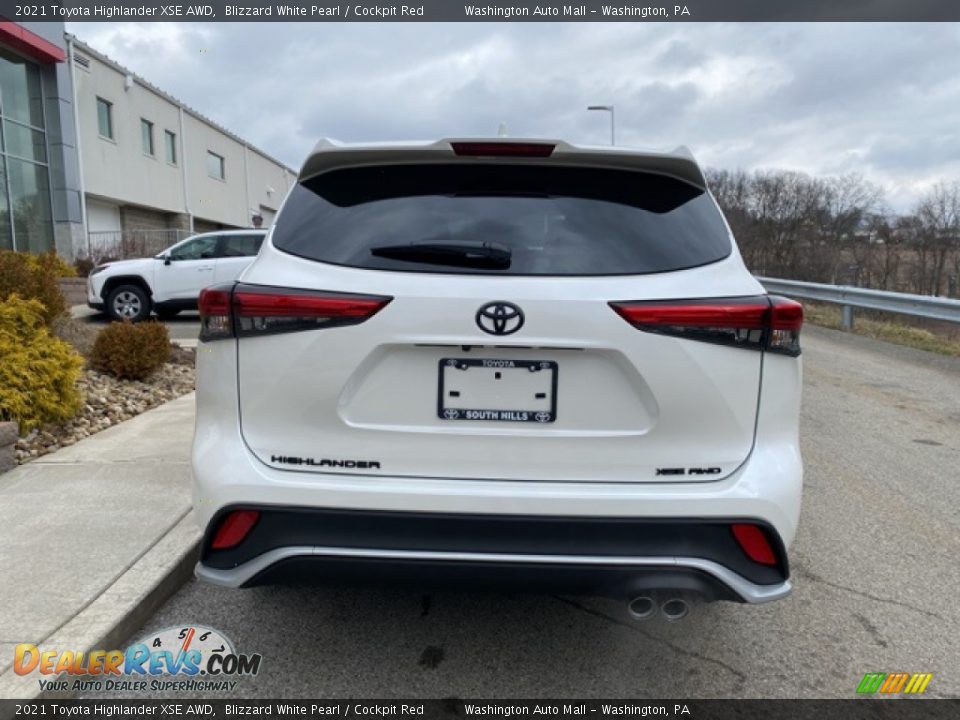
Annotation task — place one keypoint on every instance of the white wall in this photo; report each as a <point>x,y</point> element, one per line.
<point>118,168</point>
<point>102,216</point>
<point>269,184</point>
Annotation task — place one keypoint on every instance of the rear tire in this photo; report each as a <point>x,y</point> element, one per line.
<point>128,302</point>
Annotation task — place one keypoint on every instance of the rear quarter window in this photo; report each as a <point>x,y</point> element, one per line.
<point>240,245</point>
<point>549,220</point>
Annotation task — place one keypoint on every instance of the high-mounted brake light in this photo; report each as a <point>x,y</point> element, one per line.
<point>503,149</point>
<point>255,310</point>
<point>234,528</point>
<point>757,323</point>
<point>753,541</point>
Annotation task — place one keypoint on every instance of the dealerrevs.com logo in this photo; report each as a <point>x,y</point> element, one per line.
<point>187,658</point>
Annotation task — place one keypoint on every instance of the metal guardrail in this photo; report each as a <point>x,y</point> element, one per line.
<point>925,306</point>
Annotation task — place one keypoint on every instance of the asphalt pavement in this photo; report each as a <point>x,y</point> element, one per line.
<point>875,571</point>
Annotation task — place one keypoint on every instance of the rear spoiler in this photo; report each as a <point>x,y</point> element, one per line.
<point>332,155</point>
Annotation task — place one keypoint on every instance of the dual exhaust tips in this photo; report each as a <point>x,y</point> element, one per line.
<point>673,608</point>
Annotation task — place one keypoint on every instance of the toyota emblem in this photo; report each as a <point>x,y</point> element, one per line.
<point>500,318</point>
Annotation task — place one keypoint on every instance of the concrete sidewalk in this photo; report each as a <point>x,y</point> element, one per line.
<point>94,537</point>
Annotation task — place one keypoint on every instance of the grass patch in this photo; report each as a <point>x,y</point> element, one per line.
<point>887,328</point>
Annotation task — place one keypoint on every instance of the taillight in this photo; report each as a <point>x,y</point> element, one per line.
<point>257,310</point>
<point>757,323</point>
<point>503,149</point>
<point>234,528</point>
<point>786,319</point>
<point>215,314</point>
<point>753,541</point>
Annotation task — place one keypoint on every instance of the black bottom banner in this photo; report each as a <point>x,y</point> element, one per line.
<point>853,709</point>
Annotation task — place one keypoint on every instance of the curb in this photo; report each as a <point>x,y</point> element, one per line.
<point>120,609</point>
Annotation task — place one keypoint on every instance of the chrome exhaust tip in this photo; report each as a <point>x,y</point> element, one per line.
<point>675,609</point>
<point>641,607</point>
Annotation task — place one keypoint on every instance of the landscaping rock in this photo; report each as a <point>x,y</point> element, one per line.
<point>108,401</point>
<point>8,438</point>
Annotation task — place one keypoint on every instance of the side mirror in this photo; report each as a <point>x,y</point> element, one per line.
<point>166,260</point>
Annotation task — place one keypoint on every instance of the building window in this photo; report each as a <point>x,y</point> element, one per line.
<point>105,118</point>
<point>170,140</point>
<point>26,216</point>
<point>30,198</point>
<point>215,166</point>
<point>146,136</point>
<point>22,94</point>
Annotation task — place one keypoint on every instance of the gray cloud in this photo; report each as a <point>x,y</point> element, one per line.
<point>879,99</point>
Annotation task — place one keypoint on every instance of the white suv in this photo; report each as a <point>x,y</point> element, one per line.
<point>171,281</point>
<point>501,360</point>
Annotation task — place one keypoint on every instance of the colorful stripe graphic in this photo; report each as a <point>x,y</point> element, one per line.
<point>893,683</point>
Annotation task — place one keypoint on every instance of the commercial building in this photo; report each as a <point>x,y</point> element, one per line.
<point>155,170</point>
<point>40,198</point>
<point>95,160</point>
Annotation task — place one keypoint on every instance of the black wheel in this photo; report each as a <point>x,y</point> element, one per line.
<point>128,302</point>
<point>167,313</point>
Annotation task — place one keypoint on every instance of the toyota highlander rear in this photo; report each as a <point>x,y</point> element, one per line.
<point>517,360</point>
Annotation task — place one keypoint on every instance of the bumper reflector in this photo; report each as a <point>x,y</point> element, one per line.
<point>754,543</point>
<point>234,528</point>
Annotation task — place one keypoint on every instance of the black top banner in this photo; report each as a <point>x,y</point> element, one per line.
<point>499,11</point>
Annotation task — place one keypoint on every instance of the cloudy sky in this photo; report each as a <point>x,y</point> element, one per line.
<point>879,99</point>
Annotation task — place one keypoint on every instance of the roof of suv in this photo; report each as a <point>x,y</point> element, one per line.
<point>331,155</point>
<point>228,231</point>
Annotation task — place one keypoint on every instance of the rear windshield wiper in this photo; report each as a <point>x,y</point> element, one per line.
<point>489,256</point>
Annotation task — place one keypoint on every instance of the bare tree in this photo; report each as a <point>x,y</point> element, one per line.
<point>938,213</point>
<point>848,201</point>
<point>839,230</point>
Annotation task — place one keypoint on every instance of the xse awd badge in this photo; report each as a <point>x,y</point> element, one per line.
<point>689,471</point>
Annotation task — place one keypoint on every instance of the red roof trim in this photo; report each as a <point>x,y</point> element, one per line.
<point>30,44</point>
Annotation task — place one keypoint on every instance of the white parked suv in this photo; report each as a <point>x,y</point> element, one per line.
<point>504,361</point>
<point>172,280</point>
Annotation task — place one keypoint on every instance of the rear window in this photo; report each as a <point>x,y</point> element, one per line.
<point>537,220</point>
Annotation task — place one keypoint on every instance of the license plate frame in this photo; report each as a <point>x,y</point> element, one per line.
<point>538,415</point>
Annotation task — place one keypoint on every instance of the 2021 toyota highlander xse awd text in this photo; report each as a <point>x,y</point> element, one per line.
<point>505,360</point>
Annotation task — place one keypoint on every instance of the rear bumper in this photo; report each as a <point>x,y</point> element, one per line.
<point>619,557</point>
<point>620,576</point>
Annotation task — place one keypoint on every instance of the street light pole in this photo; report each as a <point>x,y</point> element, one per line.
<point>613,123</point>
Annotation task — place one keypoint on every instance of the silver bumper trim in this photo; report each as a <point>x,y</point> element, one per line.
<point>749,591</point>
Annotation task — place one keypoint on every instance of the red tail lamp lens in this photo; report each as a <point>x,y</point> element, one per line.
<point>753,541</point>
<point>266,304</point>
<point>733,313</point>
<point>786,315</point>
<point>234,528</point>
<point>758,323</point>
